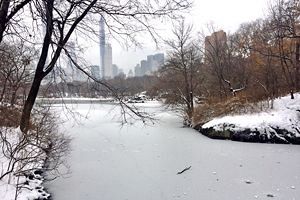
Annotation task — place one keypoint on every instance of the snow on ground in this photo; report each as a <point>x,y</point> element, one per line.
<point>142,162</point>
<point>285,115</point>
<point>32,183</point>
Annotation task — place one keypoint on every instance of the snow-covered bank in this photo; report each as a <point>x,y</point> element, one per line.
<point>278,125</point>
<point>21,166</point>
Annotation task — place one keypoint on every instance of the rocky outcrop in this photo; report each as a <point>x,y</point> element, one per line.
<point>270,135</point>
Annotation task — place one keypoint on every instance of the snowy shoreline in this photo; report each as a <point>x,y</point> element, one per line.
<point>27,183</point>
<point>278,125</point>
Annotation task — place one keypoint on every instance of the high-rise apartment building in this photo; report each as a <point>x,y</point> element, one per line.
<point>215,43</point>
<point>73,73</point>
<point>137,70</point>
<point>152,64</point>
<point>144,67</point>
<point>95,71</point>
<point>115,70</point>
<point>105,53</point>
<point>108,71</point>
<point>158,61</point>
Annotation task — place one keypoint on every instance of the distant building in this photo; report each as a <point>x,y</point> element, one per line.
<point>130,74</point>
<point>95,71</point>
<point>144,67</point>
<point>115,70</point>
<point>58,74</point>
<point>121,73</point>
<point>137,70</point>
<point>215,43</point>
<point>152,64</point>
<point>159,60</point>
<point>102,45</point>
<point>105,53</point>
<point>72,72</point>
<point>108,71</point>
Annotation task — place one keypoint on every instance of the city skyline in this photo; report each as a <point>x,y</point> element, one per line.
<point>151,64</point>
<point>227,16</point>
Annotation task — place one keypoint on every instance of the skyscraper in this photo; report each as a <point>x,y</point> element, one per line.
<point>144,67</point>
<point>102,46</point>
<point>95,71</point>
<point>105,53</point>
<point>215,43</point>
<point>115,70</point>
<point>108,72</point>
<point>152,64</point>
<point>137,70</point>
<point>159,60</point>
<point>72,71</point>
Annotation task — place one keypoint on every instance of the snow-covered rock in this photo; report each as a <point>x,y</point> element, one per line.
<point>278,125</point>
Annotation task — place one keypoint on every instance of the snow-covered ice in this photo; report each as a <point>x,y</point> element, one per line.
<point>141,162</point>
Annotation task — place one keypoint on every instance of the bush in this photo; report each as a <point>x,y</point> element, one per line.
<point>42,149</point>
<point>9,116</point>
<point>212,108</point>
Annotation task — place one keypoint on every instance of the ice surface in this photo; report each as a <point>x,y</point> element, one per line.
<point>140,162</point>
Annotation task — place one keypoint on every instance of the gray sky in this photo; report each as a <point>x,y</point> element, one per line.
<point>224,14</point>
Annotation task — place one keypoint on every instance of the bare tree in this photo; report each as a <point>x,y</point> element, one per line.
<point>8,10</point>
<point>15,69</point>
<point>284,25</point>
<point>63,18</point>
<point>181,75</point>
<point>264,73</point>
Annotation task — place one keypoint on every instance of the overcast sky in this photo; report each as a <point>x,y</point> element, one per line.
<point>224,14</point>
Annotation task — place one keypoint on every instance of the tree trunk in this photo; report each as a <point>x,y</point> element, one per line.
<point>192,103</point>
<point>292,94</point>
<point>25,118</point>
<point>297,67</point>
<point>3,90</point>
<point>13,98</point>
<point>39,72</point>
<point>3,16</point>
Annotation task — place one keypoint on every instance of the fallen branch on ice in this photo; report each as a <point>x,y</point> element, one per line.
<point>185,169</point>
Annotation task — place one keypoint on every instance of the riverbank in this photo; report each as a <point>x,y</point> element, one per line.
<point>278,125</point>
<point>22,166</point>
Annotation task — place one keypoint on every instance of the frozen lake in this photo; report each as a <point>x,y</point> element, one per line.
<point>140,162</point>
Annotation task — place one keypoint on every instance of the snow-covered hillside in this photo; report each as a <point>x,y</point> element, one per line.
<point>279,125</point>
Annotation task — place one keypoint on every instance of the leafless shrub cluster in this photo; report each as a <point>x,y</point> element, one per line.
<point>42,149</point>
<point>16,61</point>
<point>236,105</point>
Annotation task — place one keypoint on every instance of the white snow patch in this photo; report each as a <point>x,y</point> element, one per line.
<point>284,115</point>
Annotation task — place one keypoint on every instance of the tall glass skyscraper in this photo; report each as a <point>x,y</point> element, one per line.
<point>105,53</point>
